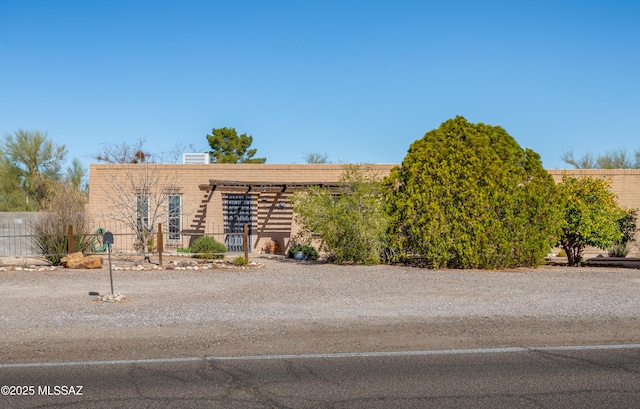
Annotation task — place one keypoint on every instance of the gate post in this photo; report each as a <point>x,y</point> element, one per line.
<point>245,241</point>
<point>160,244</point>
<point>71,245</point>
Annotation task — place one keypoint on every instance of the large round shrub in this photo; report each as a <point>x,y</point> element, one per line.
<point>468,196</point>
<point>208,247</point>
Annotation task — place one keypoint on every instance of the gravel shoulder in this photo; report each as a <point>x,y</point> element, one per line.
<point>288,307</point>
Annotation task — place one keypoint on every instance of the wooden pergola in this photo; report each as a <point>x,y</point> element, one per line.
<point>265,187</point>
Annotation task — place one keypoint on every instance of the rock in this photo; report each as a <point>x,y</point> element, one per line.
<point>111,298</point>
<point>79,261</point>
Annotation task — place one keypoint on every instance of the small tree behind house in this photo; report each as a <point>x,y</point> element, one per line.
<point>229,147</point>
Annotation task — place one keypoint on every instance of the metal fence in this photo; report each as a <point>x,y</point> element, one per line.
<point>18,240</point>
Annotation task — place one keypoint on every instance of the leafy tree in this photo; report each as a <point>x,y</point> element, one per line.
<point>618,159</point>
<point>314,158</point>
<point>468,196</point>
<point>352,222</point>
<point>591,216</point>
<point>12,197</point>
<point>229,147</point>
<point>35,160</point>
<point>76,175</point>
<point>627,224</point>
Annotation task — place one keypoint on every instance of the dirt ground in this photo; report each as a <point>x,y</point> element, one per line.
<point>288,307</point>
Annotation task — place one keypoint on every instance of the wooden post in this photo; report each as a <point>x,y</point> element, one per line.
<point>110,271</point>
<point>245,242</point>
<point>160,244</point>
<point>71,245</point>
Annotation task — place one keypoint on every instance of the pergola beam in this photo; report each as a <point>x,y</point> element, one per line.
<point>264,186</point>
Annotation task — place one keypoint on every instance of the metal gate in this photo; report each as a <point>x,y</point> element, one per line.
<point>238,211</point>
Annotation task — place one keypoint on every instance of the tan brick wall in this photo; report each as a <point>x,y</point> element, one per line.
<point>203,211</point>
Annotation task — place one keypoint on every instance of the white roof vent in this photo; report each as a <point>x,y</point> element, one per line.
<point>195,158</point>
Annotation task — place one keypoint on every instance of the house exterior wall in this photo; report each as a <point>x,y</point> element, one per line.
<point>203,210</point>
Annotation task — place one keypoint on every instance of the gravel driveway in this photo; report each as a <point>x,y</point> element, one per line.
<point>297,307</point>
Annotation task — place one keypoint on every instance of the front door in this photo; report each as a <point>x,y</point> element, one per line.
<point>238,210</point>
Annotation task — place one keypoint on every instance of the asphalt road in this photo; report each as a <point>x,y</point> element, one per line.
<point>498,378</point>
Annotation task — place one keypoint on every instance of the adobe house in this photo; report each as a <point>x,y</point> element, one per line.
<point>211,199</point>
<point>218,199</point>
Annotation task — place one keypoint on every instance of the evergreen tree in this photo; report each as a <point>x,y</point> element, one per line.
<point>468,196</point>
<point>229,147</point>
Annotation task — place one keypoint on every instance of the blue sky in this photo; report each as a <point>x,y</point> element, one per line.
<point>357,80</point>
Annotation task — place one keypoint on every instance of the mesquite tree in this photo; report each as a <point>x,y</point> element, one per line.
<point>351,221</point>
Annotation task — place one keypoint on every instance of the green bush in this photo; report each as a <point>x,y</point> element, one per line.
<point>208,247</point>
<point>619,250</point>
<point>350,220</point>
<point>562,253</point>
<point>240,261</point>
<point>468,196</point>
<point>309,252</point>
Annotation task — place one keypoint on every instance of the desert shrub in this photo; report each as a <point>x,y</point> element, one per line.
<point>309,252</point>
<point>208,247</point>
<point>64,207</point>
<point>627,224</point>
<point>468,196</point>
<point>240,261</point>
<point>619,250</point>
<point>562,253</point>
<point>351,220</point>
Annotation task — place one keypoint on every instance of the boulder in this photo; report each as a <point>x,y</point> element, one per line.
<point>80,261</point>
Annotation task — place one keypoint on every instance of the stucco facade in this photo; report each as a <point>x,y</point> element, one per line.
<point>206,194</point>
<point>211,195</point>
